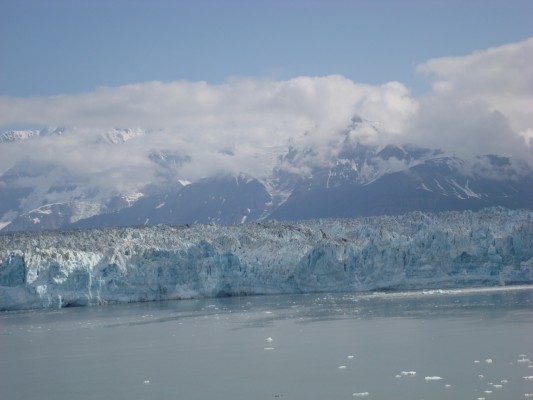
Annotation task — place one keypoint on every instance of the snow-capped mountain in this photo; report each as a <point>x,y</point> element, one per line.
<point>395,180</point>
<point>220,200</point>
<point>13,136</point>
<point>344,177</point>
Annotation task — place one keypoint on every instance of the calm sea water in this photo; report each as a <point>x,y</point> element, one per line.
<point>319,346</point>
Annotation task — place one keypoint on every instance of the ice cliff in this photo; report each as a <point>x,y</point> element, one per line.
<point>412,251</point>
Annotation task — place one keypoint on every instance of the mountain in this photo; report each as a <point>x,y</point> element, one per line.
<point>58,269</point>
<point>221,200</point>
<point>377,185</point>
<point>342,178</point>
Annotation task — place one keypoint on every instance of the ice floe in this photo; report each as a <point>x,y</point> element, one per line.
<point>408,373</point>
<point>433,378</point>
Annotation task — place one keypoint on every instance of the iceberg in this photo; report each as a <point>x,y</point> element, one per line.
<point>418,250</point>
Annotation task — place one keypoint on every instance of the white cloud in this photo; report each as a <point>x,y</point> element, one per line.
<point>498,79</point>
<point>296,104</point>
<point>480,103</point>
<point>244,117</point>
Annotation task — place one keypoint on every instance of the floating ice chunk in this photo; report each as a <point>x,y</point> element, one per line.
<point>341,367</point>
<point>269,339</point>
<point>432,378</point>
<point>488,391</point>
<point>480,398</point>
<point>497,386</point>
<point>523,360</point>
<point>528,395</point>
<point>504,381</point>
<point>481,376</point>
<point>361,394</point>
<point>476,361</point>
<point>269,348</point>
<point>398,376</point>
<point>350,357</point>
<point>528,378</point>
<point>408,373</point>
<point>488,360</point>
<point>447,385</point>
<point>146,382</point>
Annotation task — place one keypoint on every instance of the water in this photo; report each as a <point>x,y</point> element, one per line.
<point>320,346</point>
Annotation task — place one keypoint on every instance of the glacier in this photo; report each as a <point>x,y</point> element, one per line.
<point>55,269</point>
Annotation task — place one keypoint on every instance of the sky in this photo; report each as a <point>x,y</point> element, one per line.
<point>53,47</point>
<point>221,81</point>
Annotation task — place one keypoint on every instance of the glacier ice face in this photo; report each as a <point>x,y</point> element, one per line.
<point>412,251</point>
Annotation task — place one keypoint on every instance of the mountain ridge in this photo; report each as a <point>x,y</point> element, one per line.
<point>347,179</point>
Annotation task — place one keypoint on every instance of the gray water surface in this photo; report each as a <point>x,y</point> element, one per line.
<point>318,346</point>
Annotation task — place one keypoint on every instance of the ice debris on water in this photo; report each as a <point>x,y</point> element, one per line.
<point>361,394</point>
<point>433,378</point>
<point>488,360</point>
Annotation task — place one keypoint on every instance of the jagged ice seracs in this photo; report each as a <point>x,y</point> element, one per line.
<point>412,251</point>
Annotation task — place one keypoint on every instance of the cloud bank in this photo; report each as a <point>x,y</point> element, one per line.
<point>479,103</point>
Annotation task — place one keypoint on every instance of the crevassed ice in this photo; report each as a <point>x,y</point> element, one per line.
<point>412,251</point>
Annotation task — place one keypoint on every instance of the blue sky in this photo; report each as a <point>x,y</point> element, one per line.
<point>52,47</point>
<point>230,83</point>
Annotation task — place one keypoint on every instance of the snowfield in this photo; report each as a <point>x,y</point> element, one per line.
<point>413,251</point>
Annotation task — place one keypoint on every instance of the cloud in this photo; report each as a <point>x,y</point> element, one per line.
<point>479,103</point>
<point>228,127</point>
<point>294,104</point>
<point>485,97</point>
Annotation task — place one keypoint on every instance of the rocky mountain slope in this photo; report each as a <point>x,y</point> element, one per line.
<point>347,178</point>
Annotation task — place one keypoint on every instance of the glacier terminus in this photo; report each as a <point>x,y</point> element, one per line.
<point>55,269</point>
